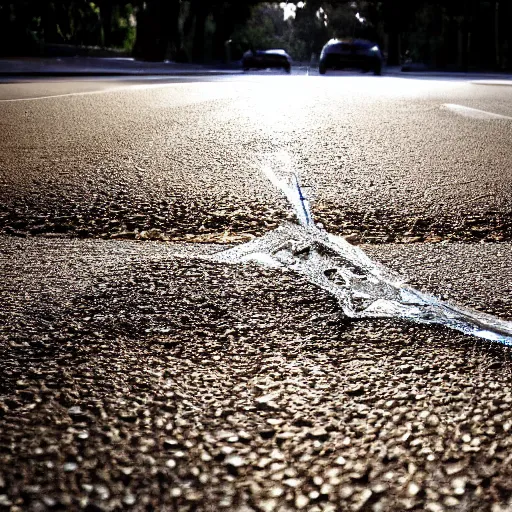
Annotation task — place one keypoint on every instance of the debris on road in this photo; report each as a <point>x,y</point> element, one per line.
<point>363,288</point>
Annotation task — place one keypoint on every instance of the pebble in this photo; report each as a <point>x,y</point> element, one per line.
<point>459,485</point>
<point>76,412</point>
<point>292,482</point>
<point>453,468</point>
<point>433,506</point>
<point>175,492</point>
<point>235,461</point>
<point>301,501</point>
<point>451,501</point>
<point>5,501</point>
<point>365,495</point>
<point>266,399</point>
<point>413,489</point>
<point>268,505</point>
<point>129,499</point>
<point>432,420</point>
<point>276,491</point>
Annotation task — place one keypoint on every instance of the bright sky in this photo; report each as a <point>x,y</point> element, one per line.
<point>289,9</point>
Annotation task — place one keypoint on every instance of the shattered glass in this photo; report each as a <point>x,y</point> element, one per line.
<point>362,287</point>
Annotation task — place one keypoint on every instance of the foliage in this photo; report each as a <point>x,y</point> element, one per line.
<point>265,29</point>
<point>460,33</point>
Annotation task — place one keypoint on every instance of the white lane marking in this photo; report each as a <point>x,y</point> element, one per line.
<point>473,113</point>
<point>492,82</point>
<point>101,91</point>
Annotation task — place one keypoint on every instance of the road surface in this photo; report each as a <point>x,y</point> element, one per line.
<point>137,375</point>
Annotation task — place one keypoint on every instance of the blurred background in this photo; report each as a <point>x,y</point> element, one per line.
<point>454,35</point>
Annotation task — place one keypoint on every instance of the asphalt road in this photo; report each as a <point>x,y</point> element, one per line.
<point>387,159</point>
<point>138,376</point>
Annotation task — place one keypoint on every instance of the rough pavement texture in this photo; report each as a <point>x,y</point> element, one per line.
<point>134,380</point>
<point>183,161</point>
<point>476,276</point>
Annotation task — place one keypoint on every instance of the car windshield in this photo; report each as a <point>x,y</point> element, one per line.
<point>340,46</point>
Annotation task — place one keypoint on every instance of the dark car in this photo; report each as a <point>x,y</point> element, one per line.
<point>351,53</point>
<point>263,59</point>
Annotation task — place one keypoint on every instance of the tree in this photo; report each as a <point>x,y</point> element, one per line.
<point>460,33</point>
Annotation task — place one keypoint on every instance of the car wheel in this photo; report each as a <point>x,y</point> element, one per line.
<point>322,69</point>
<point>377,69</point>
<point>287,68</point>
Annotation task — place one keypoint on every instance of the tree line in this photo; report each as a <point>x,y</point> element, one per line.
<point>458,34</point>
<point>149,29</point>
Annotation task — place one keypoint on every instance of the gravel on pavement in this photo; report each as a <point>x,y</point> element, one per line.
<point>134,379</point>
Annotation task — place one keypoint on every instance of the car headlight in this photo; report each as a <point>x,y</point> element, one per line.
<point>374,48</point>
